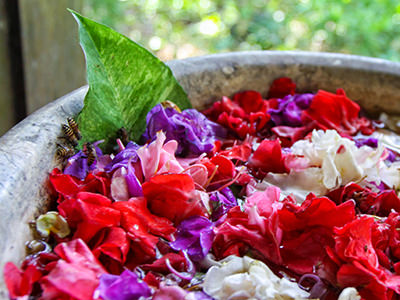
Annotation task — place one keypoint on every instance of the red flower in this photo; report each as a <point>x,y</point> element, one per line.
<point>109,245</point>
<point>368,202</point>
<point>289,135</point>
<point>336,111</point>
<point>68,186</point>
<point>236,236</point>
<point>241,152</point>
<point>89,213</point>
<point>257,228</point>
<point>357,261</point>
<point>177,261</point>
<point>268,158</point>
<point>246,114</point>
<point>76,274</point>
<point>173,196</point>
<point>20,282</point>
<point>394,238</point>
<point>307,230</point>
<point>143,229</point>
<point>220,170</point>
<point>315,211</point>
<point>281,87</point>
<point>135,212</point>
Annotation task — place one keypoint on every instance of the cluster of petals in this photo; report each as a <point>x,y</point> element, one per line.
<point>247,278</point>
<point>291,196</point>
<point>328,161</point>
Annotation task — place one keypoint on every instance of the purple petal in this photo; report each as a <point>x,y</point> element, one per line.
<point>126,286</point>
<point>371,142</point>
<point>123,157</point>
<point>290,109</point>
<point>195,236</point>
<point>222,202</point>
<point>134,185</point>
<point>318,287</point>
<point>391,156</point>
<point>77,166</point>
<point>194,133</point>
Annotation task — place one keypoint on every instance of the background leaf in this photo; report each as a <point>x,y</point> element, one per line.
<point>125,82</point>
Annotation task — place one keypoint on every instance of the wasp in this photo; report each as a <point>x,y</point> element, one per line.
<point>63,153</point>
<point>89,152</point>
<point>124,136</point>
<point>72,124</point>
<point>170,104</point>
<point>69,133</point>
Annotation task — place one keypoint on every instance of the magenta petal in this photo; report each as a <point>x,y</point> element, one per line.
<point>194,133</point>
<point>222,201</point>
<point>77,166</point>
<point>289,109</point>
<point>134,185</point>
<point>126,286</point>
<point>194,235</point>
<point>122,158</point>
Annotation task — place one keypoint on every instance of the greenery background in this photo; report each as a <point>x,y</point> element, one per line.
<point>183,28</point>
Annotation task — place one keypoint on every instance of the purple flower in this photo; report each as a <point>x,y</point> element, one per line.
<point>371,142</point>
<point>222,202</point>
<point>194,133</point>
<point>195,235</point>
<point>126,286</point>
<point>123,157</point>
<point>289,109</point>
<point>392,157</point>
<point>78,164</point>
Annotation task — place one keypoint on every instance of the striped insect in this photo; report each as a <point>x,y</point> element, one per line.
<point>170,104</point>
<point>74,126</point>
<point>89,152</point>
<point>63,153</point>
<point>123,135</point>
<point>69,134</point>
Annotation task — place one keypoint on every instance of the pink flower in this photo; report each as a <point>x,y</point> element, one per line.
<point>157,157</point>
<point>76,274</point>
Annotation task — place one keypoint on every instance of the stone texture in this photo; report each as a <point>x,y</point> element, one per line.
<point>27,150</point>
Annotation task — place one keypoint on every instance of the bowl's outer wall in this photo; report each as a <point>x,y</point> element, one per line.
<point>27,150</point>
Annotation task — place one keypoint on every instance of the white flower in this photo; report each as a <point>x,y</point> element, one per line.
<point>240,278</point>
<point>332,161</point>
<point>349,294</point>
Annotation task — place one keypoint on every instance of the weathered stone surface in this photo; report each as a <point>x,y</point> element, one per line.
<point>27,150</point>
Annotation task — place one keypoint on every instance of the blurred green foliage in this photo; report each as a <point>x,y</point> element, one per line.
<point>182,28</point>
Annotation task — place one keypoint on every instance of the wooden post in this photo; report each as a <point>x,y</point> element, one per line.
<point>6,91</point>
<point>53,61</point>
<point>40,56</point>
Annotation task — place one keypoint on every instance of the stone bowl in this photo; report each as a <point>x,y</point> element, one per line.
<point>27,150</point>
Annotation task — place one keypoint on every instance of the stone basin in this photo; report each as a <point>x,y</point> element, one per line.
<point>27,150</point>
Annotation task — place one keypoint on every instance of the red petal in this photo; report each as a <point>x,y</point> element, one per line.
<point>268,157</point>
<point>281,87</point>
<point>315,212</point>
<point>173,196</point>
<point>335,111</point>
<point>75,275</point>
<point>112,242</point>
<point>178,262</point>
<point>138,208</point>
<point>250,101</point>
<point>20,283</point>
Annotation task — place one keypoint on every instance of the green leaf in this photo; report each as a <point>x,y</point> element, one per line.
<point>125,82</point>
